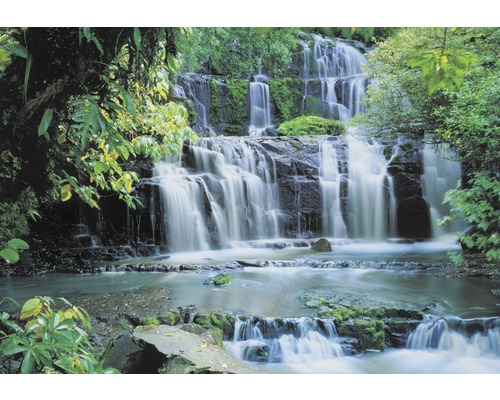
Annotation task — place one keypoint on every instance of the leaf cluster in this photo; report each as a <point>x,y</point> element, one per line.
<point>47,340</point>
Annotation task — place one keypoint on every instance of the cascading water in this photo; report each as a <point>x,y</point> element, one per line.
<point>330,180</point>
<point>371,196</point>
<point>461,337</point>
<point>441,173</point>
<point>287,340</point>
<point>228,194</point>
<point>260,106</point>
<point>338,67</point>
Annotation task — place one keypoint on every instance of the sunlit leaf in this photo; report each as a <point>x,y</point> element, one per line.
<point>18,244</point>
<point>31,308</point>
<point>66,192</point>
<point>10,255</point>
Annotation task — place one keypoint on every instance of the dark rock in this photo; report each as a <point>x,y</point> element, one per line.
<point>413,218</point>
<point>322,245</point>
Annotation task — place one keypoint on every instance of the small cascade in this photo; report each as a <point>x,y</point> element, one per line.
<point>371,196</point>
<point>285,340</point>
<point>461,337</point>
<point>338,66</point>
<point>196,88</point>
<point>441,173</point>
<point>330,180</point>
<point>260,106</point>
<point>229,193</point>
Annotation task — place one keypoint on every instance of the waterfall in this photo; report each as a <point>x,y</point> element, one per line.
<point>338,68</point>
<point>462,337</point>
<point>371,196</point>
<point>441,173</point>
<point>330,181</point>
<point>260,106</point>
<point>229,193</point>
<point>286,340</point>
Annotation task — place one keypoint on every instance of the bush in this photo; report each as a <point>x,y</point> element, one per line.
<point>311,125</point>
<point>50,341</point>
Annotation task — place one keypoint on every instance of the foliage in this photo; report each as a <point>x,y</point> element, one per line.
<point>237,93</point>
<point>78,104</point>
<point>238,52</point>
<point>311,125</point>
<point>10,252</point>
<point>50,340</point>
<point>150,321</point>
<point>479,206</point>
<point>16,213</point>
<point>287,95</point>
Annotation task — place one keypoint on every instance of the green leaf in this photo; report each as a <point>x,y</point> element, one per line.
<point>18,244</point>
<point>28,363</point>
<point>87,34</point>
<point>45,123</point>
<point>10,255</point>
<point>10,350</point>
<point>127,98</point>
<point>97,44</point>
<point>137,38</point>
<point>17,49</point>
<point>27,71</point>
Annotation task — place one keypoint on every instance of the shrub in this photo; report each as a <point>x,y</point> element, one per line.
<point>50,341</point>
<point>311,125</point>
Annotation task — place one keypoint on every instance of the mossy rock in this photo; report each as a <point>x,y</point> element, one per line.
<point>171,318</point>
<point>150,321</point>
<point>311,125</point>
<point>218,319</point>
<point>219,280</point>
<point>371,334</point>
<point>202,319</point>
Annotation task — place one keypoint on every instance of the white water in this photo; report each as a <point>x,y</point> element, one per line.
<point>371,197</point>
<point>441,173</point>
<point>330,180</point>
<point>260,106</point>
<point>229,194</point>
<point>289,341</point>
<point>338,66</point>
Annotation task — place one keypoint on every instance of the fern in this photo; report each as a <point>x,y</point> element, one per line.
<point>87,119</point>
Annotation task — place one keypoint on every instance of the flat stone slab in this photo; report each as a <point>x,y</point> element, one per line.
<point>189,353</point>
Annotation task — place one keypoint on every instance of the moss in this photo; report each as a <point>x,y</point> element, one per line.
<point>311,125</point>
<point>371,334</point>
<point>235,130</point>
<point>217,335</point>
<point>287,96</point>
<point>202,319</point>
<point>216,112</point>
<point>222,279</point>
<point>218,319</point>
<point>171,318</point>
<point>150,321</point>
<point>236,101</point>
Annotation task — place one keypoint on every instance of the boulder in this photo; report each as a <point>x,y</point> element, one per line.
<point>182,352</point>
<point>322,245</point>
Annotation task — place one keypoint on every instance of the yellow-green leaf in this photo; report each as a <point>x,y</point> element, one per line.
<point>66,192</point>
<point>31,308</point>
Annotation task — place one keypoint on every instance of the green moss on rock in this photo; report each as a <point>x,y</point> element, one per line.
<point>287,96</point>
<point>371,334</point>
<point>150,321</point>
<point>311,125</point>
<point>236,101</point>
